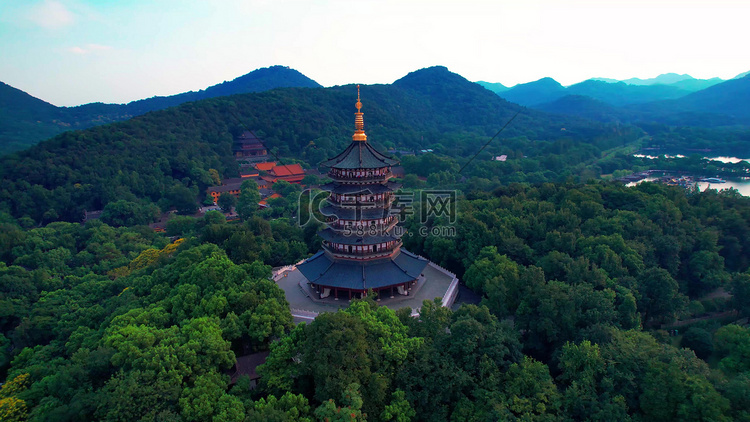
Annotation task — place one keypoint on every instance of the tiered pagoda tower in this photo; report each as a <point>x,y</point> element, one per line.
<point>361,244</point>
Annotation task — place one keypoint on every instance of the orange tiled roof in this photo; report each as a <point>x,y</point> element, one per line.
<point>265,166</point>
<point>275,195</point>
<point>287,170</point>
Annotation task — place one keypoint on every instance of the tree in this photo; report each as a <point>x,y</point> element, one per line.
<point>12,409</point>
<point>351,412</point>
<point>741,293</point>
<point>183,199</point>
<point>529,392</point>
<point>670,393</point>
<point>247,204</point>
<point>126,213</point>
<point>399,410</point>
<point>699,340</point>
<point>732,343</point>
<point>226,202</point>
<point>4,351</point>
<point>498,278</point>
<point>207,400</point>
<point>660,298</point>
<point>587,393</point>
<point>290,407</point>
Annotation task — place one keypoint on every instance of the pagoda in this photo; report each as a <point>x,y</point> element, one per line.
<point>249,148</point>
<point>361,243</point>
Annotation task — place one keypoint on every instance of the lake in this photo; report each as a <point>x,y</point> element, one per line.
<point>742,185</point>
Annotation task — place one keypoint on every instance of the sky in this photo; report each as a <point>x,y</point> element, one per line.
<point>71,52</point>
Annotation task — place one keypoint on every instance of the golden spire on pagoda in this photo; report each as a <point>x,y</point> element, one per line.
<point>359,122</point>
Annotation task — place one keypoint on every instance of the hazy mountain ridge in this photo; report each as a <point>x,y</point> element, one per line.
<point>547,90</point>
<point>730,99</point>
<point>718,103</point>
<point>26,120</point>
<point>494,86</point>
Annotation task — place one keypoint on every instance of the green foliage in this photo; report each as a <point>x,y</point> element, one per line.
<point>741,293</point>
<point>399,410</point>
<point>247,204</point>
<point>183,199</point>
<point>732,343</point>
<point>226,202</point>
<point>4,352</point>
<point>529,392</point>
<point>290,407</point>
<point>352,401</point>
<point>699,340</point>
<point>116,324</point>
<point>180,225</point>
<point>661,297</point>
<point>126,213</point>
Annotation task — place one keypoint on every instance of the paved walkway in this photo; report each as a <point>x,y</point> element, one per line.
<point>305,308</point>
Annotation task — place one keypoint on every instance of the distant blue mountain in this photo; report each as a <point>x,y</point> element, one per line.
<point>663,79</point>
<point>723,104</point>
<point>547,90</point>
<point>495,87</point>
<point>730,99</point>
<point>538,92</point>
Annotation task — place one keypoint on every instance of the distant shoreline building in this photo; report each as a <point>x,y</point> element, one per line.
<point>361,247</point>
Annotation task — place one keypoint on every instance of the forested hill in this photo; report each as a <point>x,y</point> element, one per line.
<point>26,120</point>
<point>23,118</point>
<point>158,156</point>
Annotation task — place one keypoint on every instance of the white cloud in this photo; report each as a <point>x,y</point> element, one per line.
<point>51,14</point>
<point>89,48</point>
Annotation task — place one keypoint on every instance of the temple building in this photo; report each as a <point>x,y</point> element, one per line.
<point>361,244</point>
<point>292,173</point>
<point>247,147</point>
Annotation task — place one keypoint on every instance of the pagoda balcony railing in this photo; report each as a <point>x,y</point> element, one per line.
<point>360,179</point>
<point>363,255</point>
<point>365,228</point>
<point>362,204</point>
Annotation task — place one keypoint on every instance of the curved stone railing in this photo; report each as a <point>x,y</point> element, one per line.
<point>452,292</point>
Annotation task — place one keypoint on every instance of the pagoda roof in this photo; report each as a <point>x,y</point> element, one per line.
<point>402,268</point>
<point>247,135</point>
<point>356,214</point>
<point>359,155</point>
<point>341,238</point>
<point>369,188</point>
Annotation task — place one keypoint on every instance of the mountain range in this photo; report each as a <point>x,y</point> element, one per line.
<point>26,120</point>
<point>669,99</point>
<point>158,155</point>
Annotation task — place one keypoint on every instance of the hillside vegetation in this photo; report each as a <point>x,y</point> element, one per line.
<point>25,120</point>
<point>165,156</point>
